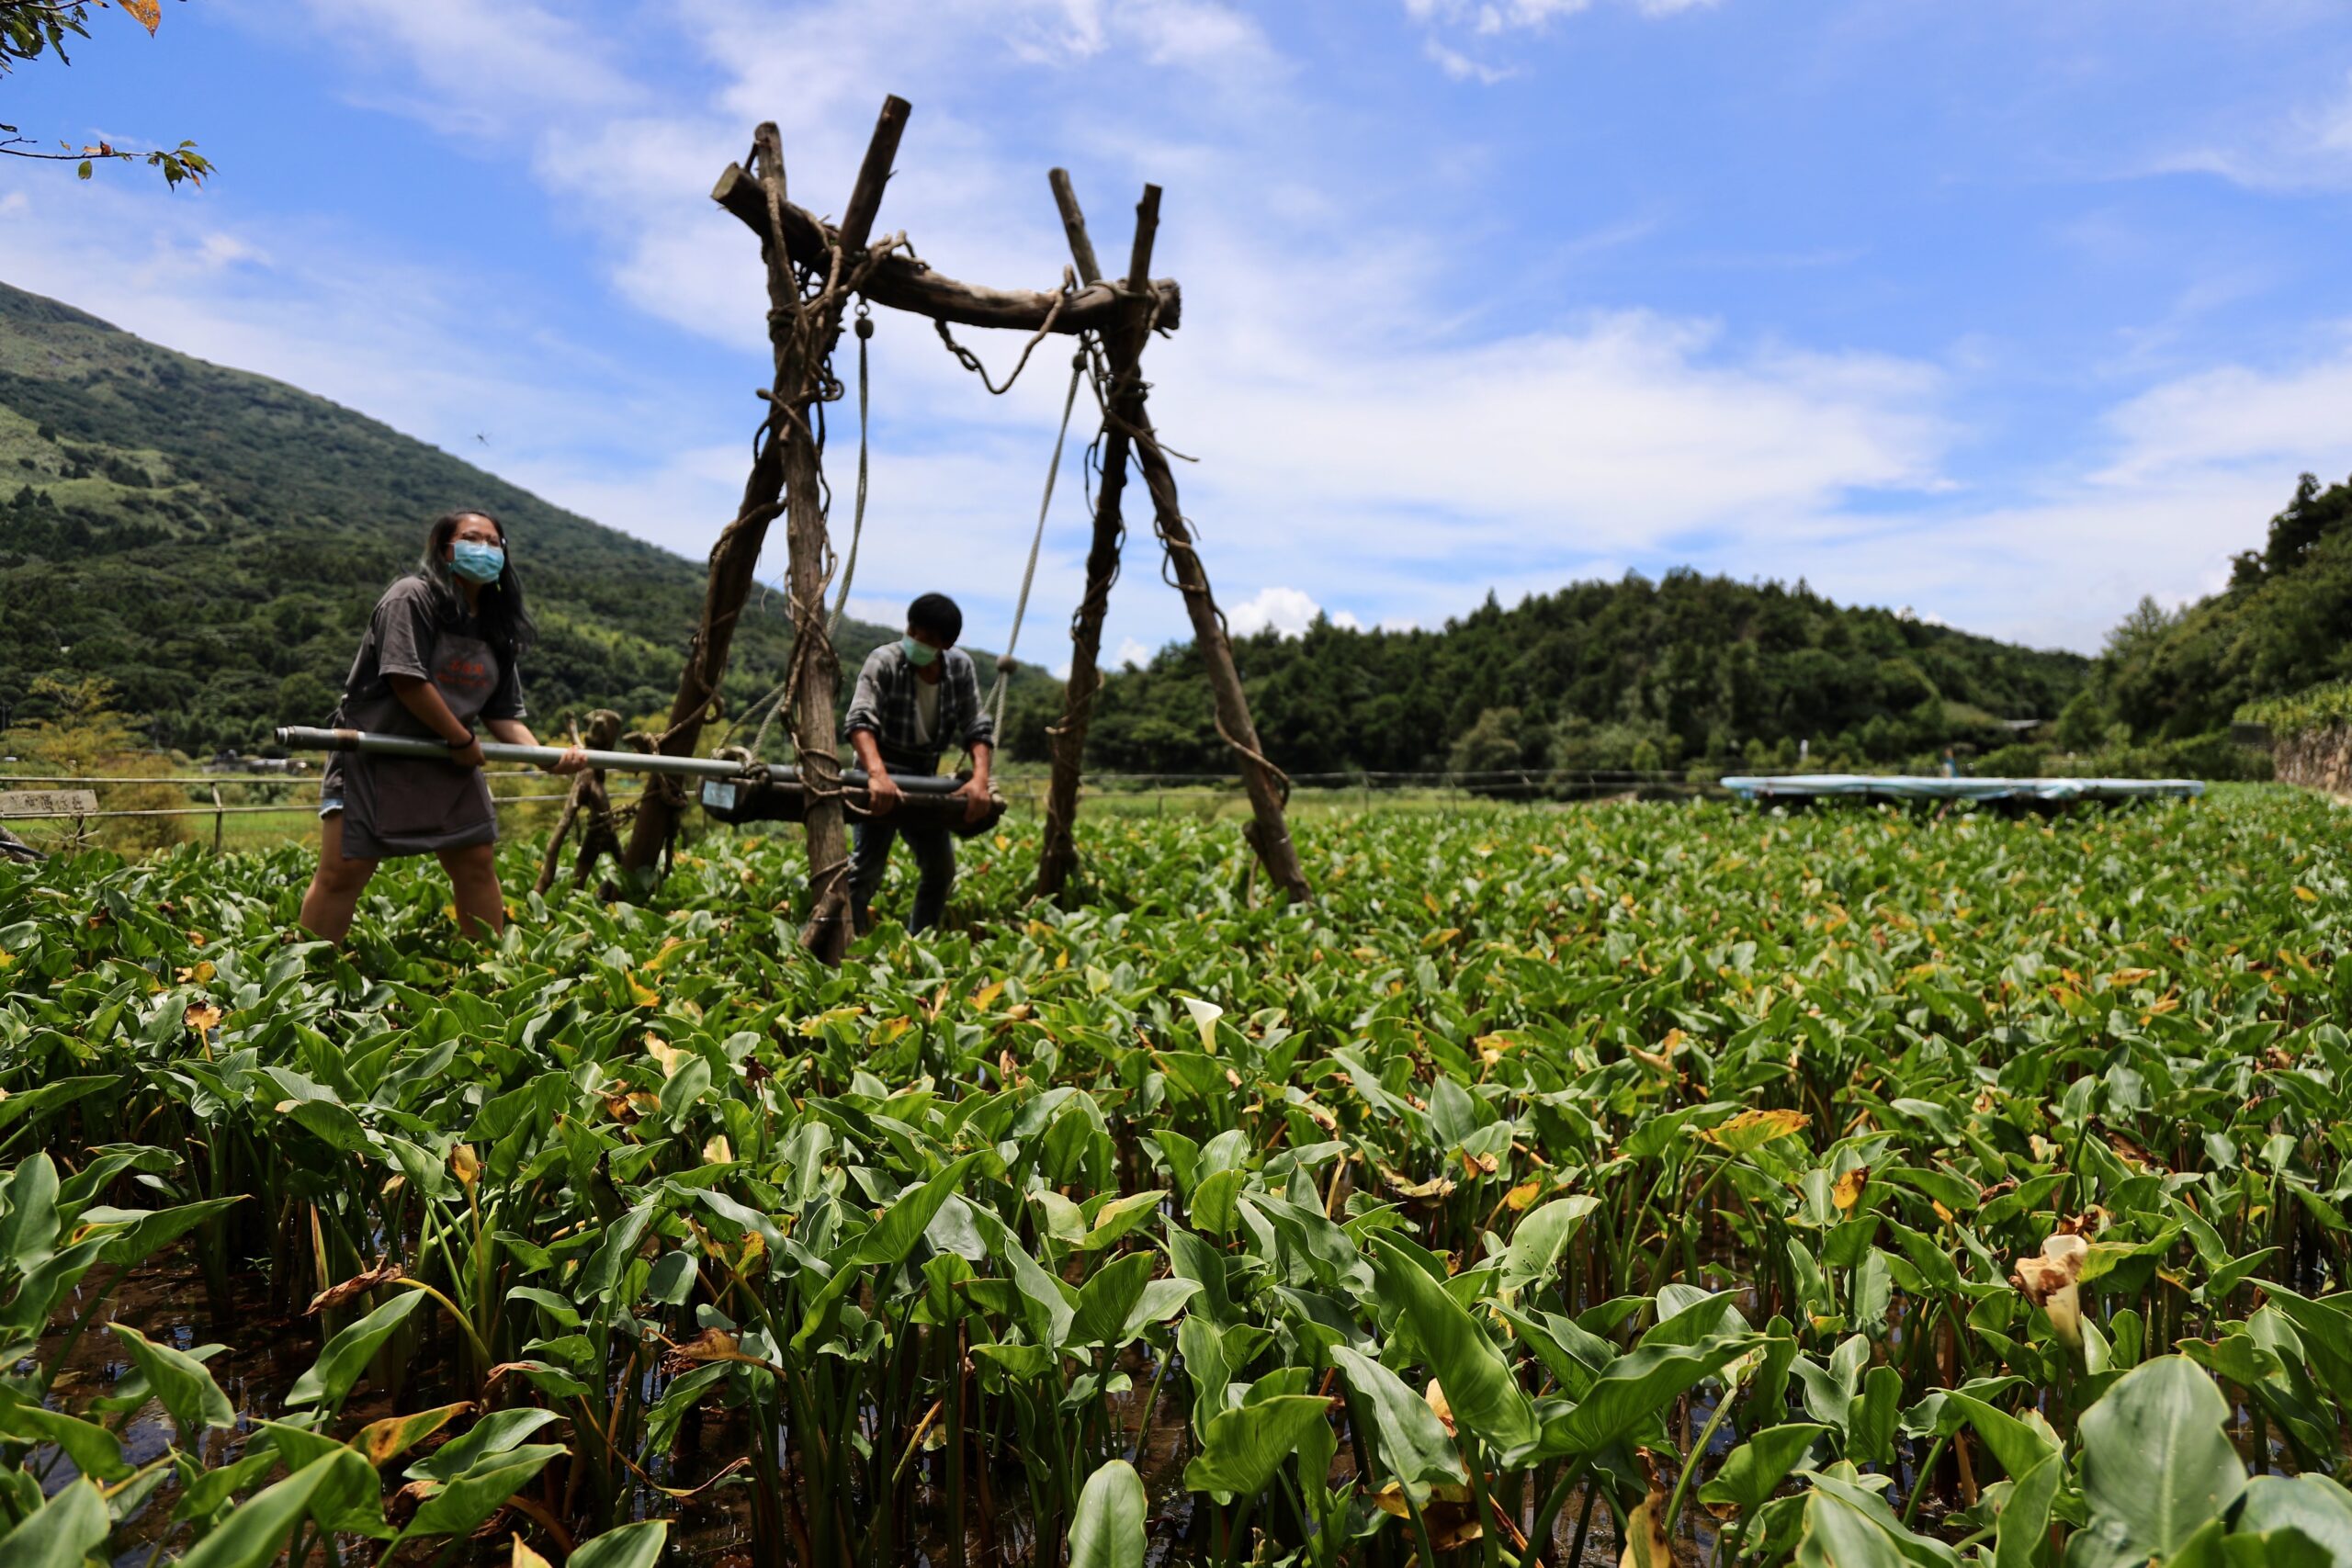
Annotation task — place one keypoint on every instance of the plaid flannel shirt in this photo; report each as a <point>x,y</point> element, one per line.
<point>884,704</point>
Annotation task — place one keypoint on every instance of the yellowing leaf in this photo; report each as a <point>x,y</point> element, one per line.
<point>465,1165</point>
<point>717,1151</point>
<point>2305,894</point>
<point>1752,1130</point>
<point>525,1557</point>
<point>1434,1397</point>
<point>988,996</point>
<point>1849,1190</point>
<point>202,1017</point>
<point>671,1057</point>
<point>641,994</point>
<point>1522,1197</point>
<point>1646,1543</point>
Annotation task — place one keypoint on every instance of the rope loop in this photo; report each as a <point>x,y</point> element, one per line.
<point>971,361</point>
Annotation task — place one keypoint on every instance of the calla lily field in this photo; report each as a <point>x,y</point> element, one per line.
<point>1633,1184</point>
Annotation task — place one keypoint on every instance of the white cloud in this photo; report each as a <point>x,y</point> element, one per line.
<point>1130,652</point>
<point>1548,449</point>
<point>1286,610</point>
<point>1392,457</point>
<point>1492,20</point>
<point>2235,414</point>
<point>2308,148</point>
<point>473,69</point>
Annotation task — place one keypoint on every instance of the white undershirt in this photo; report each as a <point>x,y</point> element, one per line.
<point>926,708</point>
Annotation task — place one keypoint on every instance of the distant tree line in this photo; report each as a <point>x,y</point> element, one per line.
<point>1632,674</point>
<point>2283,623</point>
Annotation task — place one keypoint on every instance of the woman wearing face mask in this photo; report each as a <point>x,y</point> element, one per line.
<point>439,657</point>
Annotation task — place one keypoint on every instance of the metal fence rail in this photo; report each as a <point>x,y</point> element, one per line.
<point>1024,783</point>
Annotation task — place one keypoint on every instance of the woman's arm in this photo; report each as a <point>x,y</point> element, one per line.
<point>423,698</point>
<point>514,732</point>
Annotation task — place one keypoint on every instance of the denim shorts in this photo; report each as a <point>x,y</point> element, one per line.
<point>329,805</point>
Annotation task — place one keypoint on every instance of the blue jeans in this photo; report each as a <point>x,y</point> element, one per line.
<point>934,853</point>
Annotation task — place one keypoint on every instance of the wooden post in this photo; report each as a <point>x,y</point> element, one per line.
<point>585,799</point>
<point>784,480</point>
<point>1127,427</point>
<point>1268,832</point>
<point>815,736</point>
<point>733,561</point>
<point>1057,852</point>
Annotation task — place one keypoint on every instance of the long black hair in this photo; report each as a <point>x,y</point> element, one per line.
<point>505,621</point>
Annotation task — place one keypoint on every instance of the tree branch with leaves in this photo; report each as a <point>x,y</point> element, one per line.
<point>30,29</point>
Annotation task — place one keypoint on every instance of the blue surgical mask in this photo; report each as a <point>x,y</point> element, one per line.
<point>476,562</point>
<point>918,653</point>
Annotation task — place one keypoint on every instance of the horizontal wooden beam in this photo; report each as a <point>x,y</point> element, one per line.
<point>904,284</point>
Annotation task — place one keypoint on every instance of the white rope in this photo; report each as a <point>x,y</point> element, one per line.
<point>1078,366</point>
<point>849,568</point>
<point>857,519</point>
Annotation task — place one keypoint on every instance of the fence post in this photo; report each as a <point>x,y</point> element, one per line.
<point>217,818</point>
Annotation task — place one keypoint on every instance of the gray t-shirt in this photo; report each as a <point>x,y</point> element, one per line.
<point>399,805</point>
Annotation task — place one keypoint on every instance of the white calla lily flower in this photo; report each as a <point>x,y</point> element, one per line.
<point>1205,1014</point>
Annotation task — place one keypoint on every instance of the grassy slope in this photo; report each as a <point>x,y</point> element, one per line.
<point>212,541</point>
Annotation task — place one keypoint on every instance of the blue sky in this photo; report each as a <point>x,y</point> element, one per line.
<point>2006,312</point>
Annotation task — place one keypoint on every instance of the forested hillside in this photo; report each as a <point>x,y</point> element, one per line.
<point>2284,623</point>
<point>212,541</point>
<point>1632,673</point>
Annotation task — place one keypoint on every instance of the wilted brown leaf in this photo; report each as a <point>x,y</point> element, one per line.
<point>1849,1190</point>
<point>384,1273</point>
<point>710,1345</point>
<point>2048,1282</point>
<point>1451,1514</point>
<point>148,14</point>
<point>1436,1187</point>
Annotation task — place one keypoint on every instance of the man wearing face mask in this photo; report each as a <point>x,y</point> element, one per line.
<point>915,698</point>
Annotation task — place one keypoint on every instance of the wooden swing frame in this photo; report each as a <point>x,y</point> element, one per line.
<point>785,480</point>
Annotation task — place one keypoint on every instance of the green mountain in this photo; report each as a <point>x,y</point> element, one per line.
<point>212,542</point>
<point>2283,624</point>
<point>1598,676</point>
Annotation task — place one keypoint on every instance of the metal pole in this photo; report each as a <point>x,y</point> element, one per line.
<point>302,739</point>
